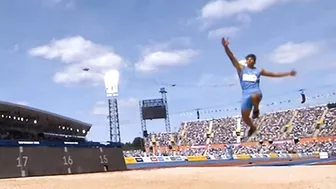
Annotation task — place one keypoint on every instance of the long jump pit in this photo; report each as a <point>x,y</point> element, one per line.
<point>296,177</point>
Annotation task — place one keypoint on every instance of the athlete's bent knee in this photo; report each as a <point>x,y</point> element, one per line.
<point>256,97</point>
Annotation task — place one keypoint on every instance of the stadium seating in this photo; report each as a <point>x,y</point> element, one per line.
<point>308,122</point>
<point>20,122</point>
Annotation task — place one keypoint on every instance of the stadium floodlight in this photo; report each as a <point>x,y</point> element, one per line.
<point>111,79</point>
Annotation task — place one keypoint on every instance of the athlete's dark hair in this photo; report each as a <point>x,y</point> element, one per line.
<point>253,56</point>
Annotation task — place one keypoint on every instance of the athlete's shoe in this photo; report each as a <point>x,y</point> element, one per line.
<point>255,114</point>
<point>251,132</point>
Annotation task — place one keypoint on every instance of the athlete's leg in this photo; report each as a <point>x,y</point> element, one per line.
<point>246,112</point>
<point>256,98</point>
<point>248,121</point>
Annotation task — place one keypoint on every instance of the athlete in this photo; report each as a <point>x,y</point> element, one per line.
<point>249,77</point>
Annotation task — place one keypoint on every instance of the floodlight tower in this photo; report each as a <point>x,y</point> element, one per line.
<point>165,102</point>
<point>111,79</point>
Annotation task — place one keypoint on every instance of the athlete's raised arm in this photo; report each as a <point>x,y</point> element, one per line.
<point>233,59</point>
<point>271,74</point>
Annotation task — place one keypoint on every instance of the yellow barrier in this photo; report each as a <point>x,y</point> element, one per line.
<point>274,156</point>
<point>243,157</point>
<point>196,158</point>
<point>130,161</point>
<point>295,156</point>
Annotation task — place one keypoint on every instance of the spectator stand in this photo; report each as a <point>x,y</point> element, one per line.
<point>306,124</point>
<point>19,122</point>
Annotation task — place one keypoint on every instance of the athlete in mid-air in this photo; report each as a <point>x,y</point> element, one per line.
<point>249,77</point>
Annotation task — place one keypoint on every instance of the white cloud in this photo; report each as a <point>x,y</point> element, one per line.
<point>100,108</point>
<point>166,45</point>
<point>212,80</point>
<point>124,105</point>
<point>172,53</point>
<point>129,119</point>
<point>220,9</point>
<point>70,5</point>
<point>67,4</point>
<point>14,49</point>
<point>78,53</point>
<point>55,1</point>
<point>22,103</point>
<point>223,32</point>
<point>163,59</point>
<point>128,103</point>
<point>293,52</point>
<point>244,18</point>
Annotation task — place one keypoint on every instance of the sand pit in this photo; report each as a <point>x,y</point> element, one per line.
<point>321,177</point>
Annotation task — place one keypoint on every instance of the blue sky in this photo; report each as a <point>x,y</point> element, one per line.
<point>45,44</point>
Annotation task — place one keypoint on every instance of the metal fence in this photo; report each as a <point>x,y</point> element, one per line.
<point>22,159</point>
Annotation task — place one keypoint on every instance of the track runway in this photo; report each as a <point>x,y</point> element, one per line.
<point>240,163</point>
<point>295,174</point>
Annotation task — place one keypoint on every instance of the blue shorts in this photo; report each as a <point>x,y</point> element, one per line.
<point>247,102</point>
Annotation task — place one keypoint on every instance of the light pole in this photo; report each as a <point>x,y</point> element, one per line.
<point>111,80</point>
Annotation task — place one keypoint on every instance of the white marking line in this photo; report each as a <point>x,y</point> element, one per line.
<point>23,173</point>
<point>318,162</point>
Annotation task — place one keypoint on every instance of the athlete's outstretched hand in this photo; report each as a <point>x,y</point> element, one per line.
<point>225,42</point>
<point>292,73</point>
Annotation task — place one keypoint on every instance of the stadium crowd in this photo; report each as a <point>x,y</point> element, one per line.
<point>308,122</point>
<point>284,148</point>
<point>278,148</point>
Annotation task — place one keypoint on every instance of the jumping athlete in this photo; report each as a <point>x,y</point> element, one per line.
<point>249,77</point>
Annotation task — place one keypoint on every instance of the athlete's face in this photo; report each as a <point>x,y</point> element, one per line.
<point>250,62</point>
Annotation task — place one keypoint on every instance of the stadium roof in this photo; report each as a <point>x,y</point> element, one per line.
<point>44,121</point>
